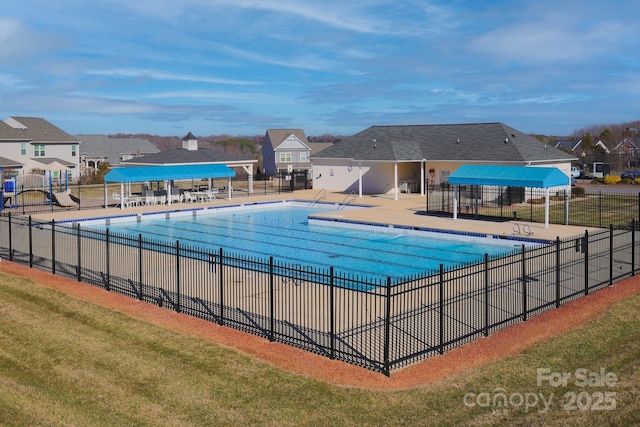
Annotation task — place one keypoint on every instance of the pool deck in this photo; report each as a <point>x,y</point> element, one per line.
<point>408,210</point>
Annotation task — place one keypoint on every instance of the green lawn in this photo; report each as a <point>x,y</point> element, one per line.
<point>69,362</point>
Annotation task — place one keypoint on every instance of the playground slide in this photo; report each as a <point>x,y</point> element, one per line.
<point>63,199</point>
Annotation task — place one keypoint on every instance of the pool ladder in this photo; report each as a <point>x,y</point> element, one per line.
<point>524,229</point>
<point>322,195</point>
<point>347,199</point>
<point>299,274</point>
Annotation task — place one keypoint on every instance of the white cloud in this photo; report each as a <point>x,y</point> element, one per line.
<point>160,75</point>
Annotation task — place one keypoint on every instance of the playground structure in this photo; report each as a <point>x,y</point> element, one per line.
<point>24,189</point>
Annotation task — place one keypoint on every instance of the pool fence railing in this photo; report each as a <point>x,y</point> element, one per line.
<point>381,324</point>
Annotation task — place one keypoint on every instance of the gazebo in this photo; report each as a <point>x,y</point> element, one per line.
<point>130,174</point>
<point>509,176</point>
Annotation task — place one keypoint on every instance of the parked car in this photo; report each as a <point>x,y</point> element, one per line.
<point>631,174</point>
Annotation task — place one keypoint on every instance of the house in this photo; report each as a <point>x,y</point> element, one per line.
<point>574,146</point>
<point>386,159</point>
<point>33,145</point>
<point>96,149</point>
<point>191,154</point>
<point>285,150</point>
<point>628,150</point>
<point>626,147</point>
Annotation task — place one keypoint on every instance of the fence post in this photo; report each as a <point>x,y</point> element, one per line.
<point>524,286</point>
<point>30,242</point>
<point>600,209</point>
<point>387,328</point>
<point>633,246</point>
<point>585,246</point>
<point>332,317</point>
<point>610,254</point>
<point>271,302</point>
<point>178,303</point>
<point>441,309</point>
<point>108,266</point>
<point>10,240</point>
<point>53,246</point>
<point>221,287</point>
<point>557,271</point>
<point>140,266</point>
<point>486,295</point>
<point>79,264</point>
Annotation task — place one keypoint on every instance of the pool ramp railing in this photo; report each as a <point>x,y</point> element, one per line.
<point>321,195</point>
<point>351,197</point>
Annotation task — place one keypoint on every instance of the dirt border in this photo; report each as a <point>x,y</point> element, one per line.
<point>506,342</point>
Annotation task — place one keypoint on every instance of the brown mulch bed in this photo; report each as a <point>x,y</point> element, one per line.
<point>507,342</point>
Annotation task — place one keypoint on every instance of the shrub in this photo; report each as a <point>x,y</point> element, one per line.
<point>578,192</point>
<point>612,179</point>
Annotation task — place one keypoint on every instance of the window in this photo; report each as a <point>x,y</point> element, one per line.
<point>285,157</point>
<point>23,149</point>
<point>38,150</point>
<point>73,150</point>
<point>303,157</point>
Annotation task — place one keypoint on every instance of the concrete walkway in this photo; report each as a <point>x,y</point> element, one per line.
<point>407,210</point>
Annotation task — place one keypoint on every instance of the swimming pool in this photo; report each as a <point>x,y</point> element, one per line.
<point>284,231</point>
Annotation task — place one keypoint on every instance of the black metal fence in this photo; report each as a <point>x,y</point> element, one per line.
<point>32,200</point>
<point>378,324</point>
<point>510,203</point>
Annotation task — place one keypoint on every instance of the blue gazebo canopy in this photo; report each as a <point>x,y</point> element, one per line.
<point>167,173</point>
<point>509,176</point>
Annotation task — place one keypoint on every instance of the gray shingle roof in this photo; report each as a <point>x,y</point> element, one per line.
<point>182,156</point>
<point>49,160</point>
<point>39,130</point>
<point>10,164</point>
<point>113,148</point>
<point>276,136</point>
<point>7,133</point>
<point>481,142</point>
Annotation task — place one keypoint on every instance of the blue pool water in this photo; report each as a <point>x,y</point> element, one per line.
<point>284,231</point>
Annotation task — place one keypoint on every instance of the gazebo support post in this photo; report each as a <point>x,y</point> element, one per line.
<point>546,208</point>
<point>455,202</point>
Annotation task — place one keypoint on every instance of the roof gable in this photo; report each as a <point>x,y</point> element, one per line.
<point>292,142</point>
<point>277,136</point>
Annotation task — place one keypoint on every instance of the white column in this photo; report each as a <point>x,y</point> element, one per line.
<point>122,196</point>
<point>423,165</point>
<point>360,179</point>
<point>455,201</point>
<point>395,180</point>
<point>546,209</point>
<point>106,196</point>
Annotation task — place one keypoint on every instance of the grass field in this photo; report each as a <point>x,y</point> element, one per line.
<point>69,362</point>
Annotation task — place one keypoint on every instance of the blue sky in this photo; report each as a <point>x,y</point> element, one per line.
<point>239,67</point>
